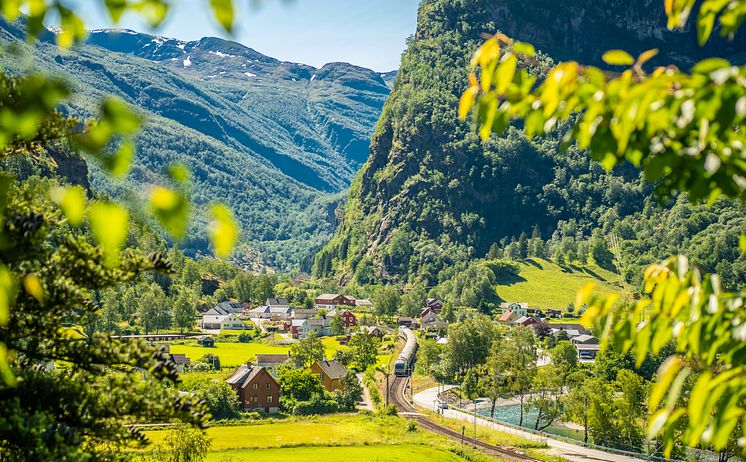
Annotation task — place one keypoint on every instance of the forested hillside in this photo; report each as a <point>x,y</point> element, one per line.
<point>276,141</point>
<point>433,195</point>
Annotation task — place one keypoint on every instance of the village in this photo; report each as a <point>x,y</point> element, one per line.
<point>335,320</point>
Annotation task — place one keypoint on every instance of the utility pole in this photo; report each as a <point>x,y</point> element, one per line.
<point>475,423</point>
<point>463,430</point>
<point>387,388</point>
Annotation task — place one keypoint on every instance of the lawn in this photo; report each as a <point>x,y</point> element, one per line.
<point>348,437</point>
<point>544,284</point>
<point>235,354</point>
<point>379,453</point>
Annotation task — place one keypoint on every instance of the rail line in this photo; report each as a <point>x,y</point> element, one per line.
<point>396,395</point>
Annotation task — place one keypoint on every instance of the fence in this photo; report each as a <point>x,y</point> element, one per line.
<point>545,436</point>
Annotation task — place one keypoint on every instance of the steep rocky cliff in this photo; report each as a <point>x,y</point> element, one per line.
<point>432,193</point>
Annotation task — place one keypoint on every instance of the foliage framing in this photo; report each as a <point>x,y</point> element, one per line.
<point>687,132</point>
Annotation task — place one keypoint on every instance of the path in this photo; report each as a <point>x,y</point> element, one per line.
<point>569,451</point>
<point>365,402</point>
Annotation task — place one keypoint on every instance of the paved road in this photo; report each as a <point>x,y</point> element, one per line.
<point>571,452</point>
<point>365,401</point>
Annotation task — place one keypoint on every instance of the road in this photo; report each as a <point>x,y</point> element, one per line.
<point>569,451</point>
<point>408,411</point>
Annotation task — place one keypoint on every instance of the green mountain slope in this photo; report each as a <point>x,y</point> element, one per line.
<point>432,194</point>
<point>276,141</point>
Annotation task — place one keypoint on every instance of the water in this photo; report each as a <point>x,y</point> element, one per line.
<point>511,414</point>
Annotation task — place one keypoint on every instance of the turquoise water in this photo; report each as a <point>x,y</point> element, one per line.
<point>511,414</point>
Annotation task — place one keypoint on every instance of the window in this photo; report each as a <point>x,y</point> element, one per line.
<point>266,385</point>
<point>256,385</point>
<point>321,377</point>
<point>269,399</point>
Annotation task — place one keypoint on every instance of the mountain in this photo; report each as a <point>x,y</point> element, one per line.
<point>432,194</point>
<point>277,141</point>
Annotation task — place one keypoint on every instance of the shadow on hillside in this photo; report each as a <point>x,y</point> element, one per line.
<point>509,279</point>
<point>534,263</point>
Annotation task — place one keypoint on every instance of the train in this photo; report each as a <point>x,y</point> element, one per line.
<point>403,364</point>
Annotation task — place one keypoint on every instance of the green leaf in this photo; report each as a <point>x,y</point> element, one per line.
<point>171,209</point>
<point>179,173</point>
<point>466,103</point>
<point>223,230</point>
<point>5,371</point>
<point>72,201</point>
<point>7,294</point>
<point>618,58</point>
<point>109,224</point>
<point>742,243</point>
<point>224,13</point>
<point>505,73</point>
<point>522,48</point>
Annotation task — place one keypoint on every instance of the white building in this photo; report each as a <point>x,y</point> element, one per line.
<point>221,321</point>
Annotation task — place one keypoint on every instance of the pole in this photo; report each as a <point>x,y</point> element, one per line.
<point>387,390</point>
<point>474,401</point>
<point>463,430</point>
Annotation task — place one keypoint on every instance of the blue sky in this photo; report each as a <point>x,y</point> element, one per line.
<point>366,33</point>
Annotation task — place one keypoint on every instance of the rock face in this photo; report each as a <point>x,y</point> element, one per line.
<point>583,30</point>
<point>432,193</point>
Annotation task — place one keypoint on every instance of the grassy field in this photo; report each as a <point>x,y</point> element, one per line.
<point>544,284</point>
<point>235,354</point>
<point>380,453</point>
<point>348,437</point>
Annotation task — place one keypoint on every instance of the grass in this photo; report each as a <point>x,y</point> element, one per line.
<point>544,284</point>
<point>380,453</point>
<point>235,354</point>
<point>349,437</point>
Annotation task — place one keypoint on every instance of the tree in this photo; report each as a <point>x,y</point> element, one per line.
<point>469,342</point>
<point>669,135</point>
<point>545,396</point>
<point>337,325</point>
<point>364,350</point>
<point>350,391</point>
<point>221,399</point>
<point>512,366</point>
<point>577,401</point>
<point>630,409</point>
<point>184,308</point>
<point>307,351</point>
<point>299,384</point>
<point>387,301</point>
<point>184,444</point>
<point>413,301</point>
<point>523,246</point>
<point>565,358</point>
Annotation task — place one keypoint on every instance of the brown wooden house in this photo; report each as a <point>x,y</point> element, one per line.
<point>348,318</point>
<point>256,388</point>
<point>330,373</point>
<point>329,301</point>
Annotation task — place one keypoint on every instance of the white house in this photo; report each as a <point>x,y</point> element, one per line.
<point>301,328</point>
<point>221,321</point>
<point>299,313</point>
<point>519,309</point>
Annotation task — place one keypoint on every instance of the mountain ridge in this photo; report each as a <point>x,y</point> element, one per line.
<point>279,146</point>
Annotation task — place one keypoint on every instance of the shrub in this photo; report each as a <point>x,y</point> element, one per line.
<point>318,404</point>
<point>245,337</point>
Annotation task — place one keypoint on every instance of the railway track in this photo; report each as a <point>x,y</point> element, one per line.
<point>396,395</point>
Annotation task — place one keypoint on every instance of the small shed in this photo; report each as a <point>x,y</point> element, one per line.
<point>206,341</point>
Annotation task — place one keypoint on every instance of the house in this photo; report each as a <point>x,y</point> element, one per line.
<point>271,361</point>
<point>181,361</point>
<point>272,312</point>
<point>299,313</point>
<point>508,316</point>
<point>442,341</point>
<point>552,313</point>
<point>206,341</point>
<point>330,373</point>
<point>331,301</point>
<point>257,390</point>
<point>431,321</point>
<point>301,328</point>
<point>405,321</point>
<point>230,321</point>
<point>435,305</point>
<point>349,319</point>
<point>526,321</point>
<point>520,309</point>
<point>585,340</point>
<point>373,331</point>
<point>569,333</point>
<point>578,327</point>
<point>363,303</point>
<point>278,302</point>
<point>230,307</point>
<point>587,351</point>
<point>535,312</point>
